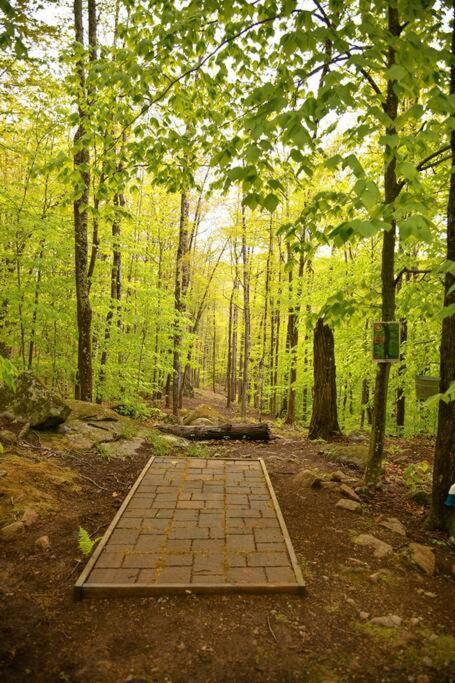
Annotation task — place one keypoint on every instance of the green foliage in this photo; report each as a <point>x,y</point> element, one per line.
<point>134,408</point>
<point>85,543</point>
<point>8,372</point>
<point>417,476</point>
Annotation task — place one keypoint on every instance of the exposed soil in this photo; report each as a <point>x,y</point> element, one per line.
<point>319,637</point>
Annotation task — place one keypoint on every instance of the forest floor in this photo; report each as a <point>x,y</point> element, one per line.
<point>325,636</point>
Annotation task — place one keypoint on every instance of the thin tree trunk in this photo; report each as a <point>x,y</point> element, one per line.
<point>181,284</point>
<point>373,469</point>
<point>401,400</point>
<point>115,296</point>
<point>246,319</point>
<point>80,209</point>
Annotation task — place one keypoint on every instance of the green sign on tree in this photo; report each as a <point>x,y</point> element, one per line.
<point>386,342</point>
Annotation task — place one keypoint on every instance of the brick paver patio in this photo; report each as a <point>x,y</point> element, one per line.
<point>196,524</point>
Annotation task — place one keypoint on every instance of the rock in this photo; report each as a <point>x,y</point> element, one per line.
<point>389,621</point>
<point>420,497</point>
<point>364,615</point>
<point>29,517</point>
<point>339,476</point>
<point>354,455</point>
<point>123,448</point>
<point>43,543</point>
<point>203,421</point>
<point>349,493</point>
<point>10,531</point>
<point>307,479</point>
<point>381,549</point>
<point>331,485</point>
<point>422,557</point>
<point>202,411</point>
<point>350,505</point>
<point>393,524</point>
<point>380,575</point>
<point>177,441</point>
<point>33,403</point>
<point>7,437</point>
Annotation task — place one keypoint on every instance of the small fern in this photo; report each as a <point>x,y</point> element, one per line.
<point>86,544</point>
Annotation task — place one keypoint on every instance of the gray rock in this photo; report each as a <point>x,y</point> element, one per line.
<point>10,531</point>
<point>422,557</point>
<point>33,403</point>
<point>380,548</point>
<point>389,621</point>
<point>393,524</point>
<point>351,505</point>
<point>349,492</point>
<point>339,476</point>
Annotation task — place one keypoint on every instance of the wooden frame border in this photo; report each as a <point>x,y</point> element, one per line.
<point>79,585</point>
<point>142,590</point>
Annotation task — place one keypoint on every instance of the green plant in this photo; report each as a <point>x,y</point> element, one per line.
<point>417,475</point>
<point>128,431</point>
<point>102,450</point>
<point>160,446</point>
<point>133,408</point>
<point>197,450</point>
<point>85,543</point>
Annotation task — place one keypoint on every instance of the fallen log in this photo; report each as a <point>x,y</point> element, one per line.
<point>238,432</point>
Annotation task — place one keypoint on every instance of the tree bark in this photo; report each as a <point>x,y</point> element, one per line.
<point>373,469</point>
<point>443,517</point>
<point>81,160</point>
<point>246,319</point>
<point>324,417</point>
<point>181,284</point>
<point>239,432</point>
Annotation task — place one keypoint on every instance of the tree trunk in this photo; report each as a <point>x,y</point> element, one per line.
<point>181,284</point>
<point>115,297</point>
<point>293,335</point>
<point>324,417</point>
<point>240,432</point>
<point>81,162</point>
<point>373,469</point>
<point>443,517</point>
<point>401,400</point>
<point>246,319</point>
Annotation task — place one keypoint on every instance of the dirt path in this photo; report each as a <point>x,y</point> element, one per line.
<point>322,637</point>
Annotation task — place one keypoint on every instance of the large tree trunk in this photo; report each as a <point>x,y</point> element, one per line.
<point>373,469</point>
<point>239,432</point>
<point>444,459</point>
<point>80,209</point>
<point>324,417</point>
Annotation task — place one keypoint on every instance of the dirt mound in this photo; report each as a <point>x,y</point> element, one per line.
<point>38,485</point>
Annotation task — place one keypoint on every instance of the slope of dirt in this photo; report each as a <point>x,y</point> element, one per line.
<point>322,637</point>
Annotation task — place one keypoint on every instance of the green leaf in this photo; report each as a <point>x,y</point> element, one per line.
<point>395,73</point>
<point>270,202</point>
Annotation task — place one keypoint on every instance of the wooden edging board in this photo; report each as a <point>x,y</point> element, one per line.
<point>81,588</point>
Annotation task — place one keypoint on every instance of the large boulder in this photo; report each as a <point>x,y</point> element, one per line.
<point>203,411</point>
<point>31,402</point>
